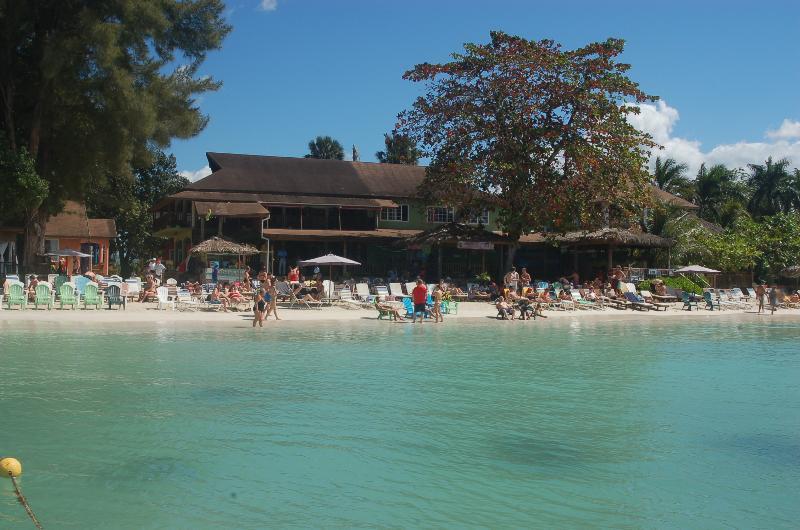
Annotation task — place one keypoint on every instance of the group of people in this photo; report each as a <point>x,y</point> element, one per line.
<point>421,307</point>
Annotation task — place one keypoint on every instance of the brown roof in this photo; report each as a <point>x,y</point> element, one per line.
<point>308,176</point>
<point>73,222</point>
<point>284,234</point>
<point>604,236</point>
<point>275,199</point>
<point>673,200</point>
<point>231,209</point>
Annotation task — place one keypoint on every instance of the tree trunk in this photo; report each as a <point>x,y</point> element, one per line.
<point>512,252</point>
<point>34,239</point>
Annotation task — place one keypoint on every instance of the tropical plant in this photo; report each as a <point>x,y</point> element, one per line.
<point>537,133</point>
<point>400,149</point>
<point>325,147</point>
<point>86,87</point>
<point>720,194</point>
<point>774,188</point>
<point>670,176</point>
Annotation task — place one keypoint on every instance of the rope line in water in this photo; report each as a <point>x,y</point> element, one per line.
<point>24,503</point>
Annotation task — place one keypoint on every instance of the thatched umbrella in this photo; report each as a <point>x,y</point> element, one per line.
<point>221,246</point>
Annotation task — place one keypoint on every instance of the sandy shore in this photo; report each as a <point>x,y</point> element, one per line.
<point>142,313</point>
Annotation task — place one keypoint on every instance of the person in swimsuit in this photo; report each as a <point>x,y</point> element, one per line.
<point>259,308</point>
<point>436,310</point>
<point>760,292</point>
<point>271,298</point>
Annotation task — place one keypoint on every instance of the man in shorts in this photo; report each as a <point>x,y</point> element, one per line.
<point>419,296</point>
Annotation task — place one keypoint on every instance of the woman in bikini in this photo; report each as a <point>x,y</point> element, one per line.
<point>259,308</point>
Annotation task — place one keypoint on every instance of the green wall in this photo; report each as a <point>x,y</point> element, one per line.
<point>417,219</point>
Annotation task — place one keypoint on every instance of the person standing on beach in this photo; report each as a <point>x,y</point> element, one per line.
<point>259,308</point>
<point>512,279</point>
<point>419,296</point>
<point>760,293</point>
<point>436,310</point>
<point>773,298</point>
<point>525,279</point>
<point>271,299</point>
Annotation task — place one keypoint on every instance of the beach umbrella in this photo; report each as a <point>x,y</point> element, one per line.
<point>696,269</point>
<point>330,260</point>
<point>68,252</point>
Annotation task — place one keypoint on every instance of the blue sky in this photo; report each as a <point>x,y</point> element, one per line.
<point>727,71</point>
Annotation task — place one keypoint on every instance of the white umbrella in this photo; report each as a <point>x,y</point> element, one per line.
<point>330,260</point>
<point>697,269</point>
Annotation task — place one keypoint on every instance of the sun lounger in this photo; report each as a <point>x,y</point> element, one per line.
<point>397,290</point>
<point>347,300</point>
<point>634,302</point>
<point>410,287</point>
<point>382,292</point>
<point>362,291</point>
<point>185,302</point>
<point>649,298</point>
<point>44,296</point>
<point>384,312</point>
<point>583,303</point>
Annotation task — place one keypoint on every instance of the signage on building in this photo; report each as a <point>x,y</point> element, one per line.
<point>476,245</point>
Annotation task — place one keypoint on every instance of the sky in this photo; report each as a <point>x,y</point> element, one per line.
<point>727,72</point>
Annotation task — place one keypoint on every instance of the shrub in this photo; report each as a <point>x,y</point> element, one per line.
<point>676,282</point>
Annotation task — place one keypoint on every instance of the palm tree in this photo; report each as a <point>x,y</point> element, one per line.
<point>400,149</point>
<point>325,147</point>
<point>720,194</point>
<point>774,188</point>
<point>670,176</point>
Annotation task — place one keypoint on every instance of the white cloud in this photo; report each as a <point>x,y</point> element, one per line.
<point>788,129</point>
<point>659,120</point>
<point>268,5</point>
<point>196,175</point>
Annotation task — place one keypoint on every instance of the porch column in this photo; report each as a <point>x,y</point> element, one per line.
<point>219,225</point>
<point>202,228</point>
<point>107,259</point>
<point>344,246</point>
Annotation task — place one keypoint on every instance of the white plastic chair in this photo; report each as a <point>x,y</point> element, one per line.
<point>162,293</point>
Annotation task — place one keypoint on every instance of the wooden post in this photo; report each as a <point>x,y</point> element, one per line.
<point>107,258</point>
<point>344,246</point>
<point>219,225</point>
<point>202,228</point>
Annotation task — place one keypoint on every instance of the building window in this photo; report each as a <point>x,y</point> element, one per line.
<point>480,219</point>
<point>441,214</point>
<point>399,213</point>
<point>50,245</point>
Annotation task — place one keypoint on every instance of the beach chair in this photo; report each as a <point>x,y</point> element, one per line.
<point>381,292</point>
<point>284,291</point>
<point>134,288</point>
<point>384,312</point>
<point>647,297</point>
<point>450,307</point>
<point>16,295</point>
<point>115,296</point>
<point>330,291</point>
<point>362,291</point>
<point>688,302</point>
<point>185,302</point>
<point>80,283</point>
<point>636,303</point>
<point>710,302</point>
<point>583,303</point>
<point>397,290</point>
<point>44,296</point>
<point>409,307</point>
<point>67,295</point>
<point>410,287</point>
<point>347,300</point>
<point>162,293</point>
<point>59,281</point>
<point>92,296</point>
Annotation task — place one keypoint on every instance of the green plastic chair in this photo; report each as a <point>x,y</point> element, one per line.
<point>60,280</point>
<point>16,295</point>
<point>450,307</point>
<point>383,312</point>
<point>44,296</point>
<point>66,295</point>
<point>92,296</point>
<point>710,302</point>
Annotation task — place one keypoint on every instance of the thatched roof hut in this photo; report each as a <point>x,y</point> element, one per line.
<point>218,245</point>
<point>603,236</point>
<point>453,233</point>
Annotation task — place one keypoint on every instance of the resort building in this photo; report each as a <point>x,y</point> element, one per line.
<point>299,208</point>
<point>71,229</point>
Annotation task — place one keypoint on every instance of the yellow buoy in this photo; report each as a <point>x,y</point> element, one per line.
<point>10,467</point>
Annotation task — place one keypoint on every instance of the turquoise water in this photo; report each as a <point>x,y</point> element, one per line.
<point>673,424</point>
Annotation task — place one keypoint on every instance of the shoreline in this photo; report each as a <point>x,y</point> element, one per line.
<point>468,311</point>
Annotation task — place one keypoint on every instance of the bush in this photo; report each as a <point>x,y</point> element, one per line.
<point>676,282</point>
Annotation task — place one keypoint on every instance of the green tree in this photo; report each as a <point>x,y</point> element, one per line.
<point>325,147</point>
<point>774,188</point>
<point>130,201</point>
<point>23,189</point>
<point>400,149</point>
<point>535,132</point>
<point>86,87</point>
<point>720,194</point>
<point>670,176</point>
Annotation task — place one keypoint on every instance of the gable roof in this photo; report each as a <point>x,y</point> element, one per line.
<point>308,176</point>
<point>73,222</point>
<point>673,200</point>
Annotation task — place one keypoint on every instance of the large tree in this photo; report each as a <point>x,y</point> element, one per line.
<point>130,201</point>
<point>670,176</point>
<point>325,147</point>
<point>86,87</point>
<point>774,188</point>
<point>534,131</point>
<point>720,194</point>
<point>400,149</point>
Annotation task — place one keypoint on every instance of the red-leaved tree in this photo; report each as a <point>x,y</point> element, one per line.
<point>536,133</point>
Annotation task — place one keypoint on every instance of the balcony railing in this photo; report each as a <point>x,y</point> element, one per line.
<point>169,219</point>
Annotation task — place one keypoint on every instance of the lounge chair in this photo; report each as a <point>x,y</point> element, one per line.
<point>134,288</point>
<point>409,307</point>
<point>16,295</point>
<point>710,302</point>
<point>114,296</point>
<point>44,296</point>
<point>362,291</point>
<point>583,303</point>
<point>92,296</point>
<point>347,300</point>
<point>650,299</point>
<point>80,283</point>
<point>634,302</point>
<point>59,281</point>
<point>67,295</point>
<point>688,301</point>
<point>162,293</point>
<point>410,287</point>
<point>185,302</point>
<point>381,292</point>
<point>397,290</point>
<point>450,307</point>
<point>384,312</point>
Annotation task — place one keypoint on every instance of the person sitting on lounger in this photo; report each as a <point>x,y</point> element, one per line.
<point>217,297</point>
<point>504,308</point>
<point>390,309</point>
<point>565,295</point>
<point>233,294</point>
<point>33,282</point>
<point>149,288</point>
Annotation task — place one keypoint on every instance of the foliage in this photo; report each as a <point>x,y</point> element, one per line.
<point>87,87</point>
<point>774,188</point>
<point>676,282</point>
<point>129,201</point>
<point>483,277</point>
<point>325,147</point>
<point>537,133</point>
<point>670,176</point>
<point>23,189</point>
<point>721,194</point>
<point>400,149</point>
